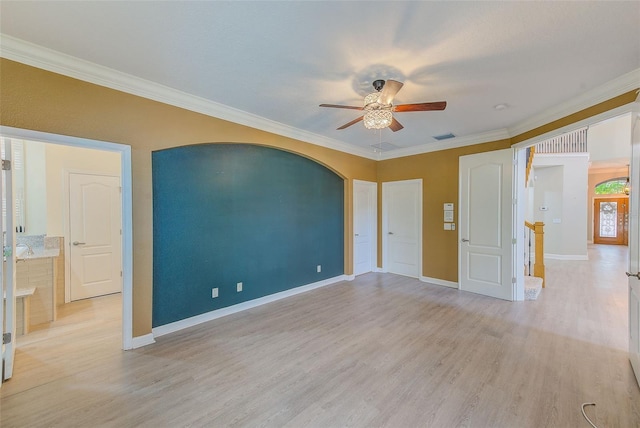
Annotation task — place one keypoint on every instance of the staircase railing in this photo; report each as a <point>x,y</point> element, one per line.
<point>571,142</point>
<point>537,231</point>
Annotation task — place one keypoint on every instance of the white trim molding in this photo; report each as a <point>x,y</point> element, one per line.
<point>67,65</point>
<point>625,83</point>
<point>452,143</point>
<point>229,310</point>
<point>140,341</point>
<point>442,282</point>
<point>47,59</point>
<point>127,209</point>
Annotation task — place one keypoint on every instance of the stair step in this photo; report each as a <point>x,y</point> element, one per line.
<point>532,287</point>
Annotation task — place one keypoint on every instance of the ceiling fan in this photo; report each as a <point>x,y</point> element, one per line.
<point>378,107</point>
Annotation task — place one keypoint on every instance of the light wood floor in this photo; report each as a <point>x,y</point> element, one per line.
<point>381,350</point>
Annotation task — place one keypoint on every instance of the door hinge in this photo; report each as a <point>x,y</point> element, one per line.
<point>513,280</point>
<point>6,338</point>
<point>514,241</point>
<point>6,165</point>
<point>120,274</point>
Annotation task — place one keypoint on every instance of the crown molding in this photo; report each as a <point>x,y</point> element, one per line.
<point>47,59</point>
<point>452,143</point>
<point>609,114</point>
<point>623,84</point>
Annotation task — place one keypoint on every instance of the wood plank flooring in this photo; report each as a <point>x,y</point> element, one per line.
<point>382,350</point>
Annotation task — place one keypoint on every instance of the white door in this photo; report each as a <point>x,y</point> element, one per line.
<point>634,248</point>
<point>402,227</point>
<point>95,235</point>
<point>486,224</point>
<point>7,269</point>
<point>365,195</point>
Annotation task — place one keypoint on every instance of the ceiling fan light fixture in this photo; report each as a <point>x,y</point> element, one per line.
<point>371,98</point>
<point>377,119</point>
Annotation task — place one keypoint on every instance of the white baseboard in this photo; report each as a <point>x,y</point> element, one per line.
<point>377,270</point>
<point>219,313</point>
<point>437,281</point>
<point>140,341</point>
<point>349,277</point>
<point>566,256</point>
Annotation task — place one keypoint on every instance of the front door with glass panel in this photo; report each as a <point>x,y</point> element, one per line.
<point>611,221</point>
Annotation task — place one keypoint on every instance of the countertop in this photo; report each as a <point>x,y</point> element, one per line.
<point>40,253</point>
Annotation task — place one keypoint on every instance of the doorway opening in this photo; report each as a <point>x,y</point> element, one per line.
<point>51,221</point>
<point>561,173</point>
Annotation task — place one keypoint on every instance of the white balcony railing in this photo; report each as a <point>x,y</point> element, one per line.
<point>571,142</point>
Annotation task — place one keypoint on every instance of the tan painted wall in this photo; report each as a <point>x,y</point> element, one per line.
<point>439,174</point>
<point>35,99</point>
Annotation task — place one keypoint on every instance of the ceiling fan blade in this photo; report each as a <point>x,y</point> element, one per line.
<point>389,90</point>
<point>395,125</point>
<point>341,106</point>
<point>353,122</point>
<point>438,105</point>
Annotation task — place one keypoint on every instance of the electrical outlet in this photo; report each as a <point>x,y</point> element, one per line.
<point>239,287</point>
<point>214,293</point>
<point>319,268</point>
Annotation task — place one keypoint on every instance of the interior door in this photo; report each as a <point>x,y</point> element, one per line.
<point>7,268</point>
<point>610,218</point>
<point>486,224</point>
<point>402,227</point>
<point>95,235</point>
<point>634,248</point>
<point>364,226</point>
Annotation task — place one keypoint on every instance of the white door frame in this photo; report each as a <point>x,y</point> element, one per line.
<point>67,222</point>
<point>371,187</point>
<point>521,154</point>
<point>385,227</point>
<point>127,217</point>
<point>8,321</point>
<point>634,245</point>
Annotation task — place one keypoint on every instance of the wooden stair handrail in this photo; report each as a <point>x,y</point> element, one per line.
<point>538,266</point>
<point>532,151</point>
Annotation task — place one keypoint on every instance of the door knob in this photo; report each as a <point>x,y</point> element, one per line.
<point>357,234</point>
<point>78,243</point>
<point>465,240</point>
<point>629,274</point>
<point>390,233</point>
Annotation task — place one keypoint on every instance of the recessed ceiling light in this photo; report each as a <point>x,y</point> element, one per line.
<point>501,107</point>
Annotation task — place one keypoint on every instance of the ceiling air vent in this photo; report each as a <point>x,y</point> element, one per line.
<point>444,136</point>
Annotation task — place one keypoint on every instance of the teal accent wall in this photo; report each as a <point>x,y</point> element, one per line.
<point>229,213</point>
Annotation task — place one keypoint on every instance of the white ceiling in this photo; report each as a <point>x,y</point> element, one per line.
<point>277,60</point>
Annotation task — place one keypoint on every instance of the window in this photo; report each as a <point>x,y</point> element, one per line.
<point>17,167</point>
<point>611,187</point>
